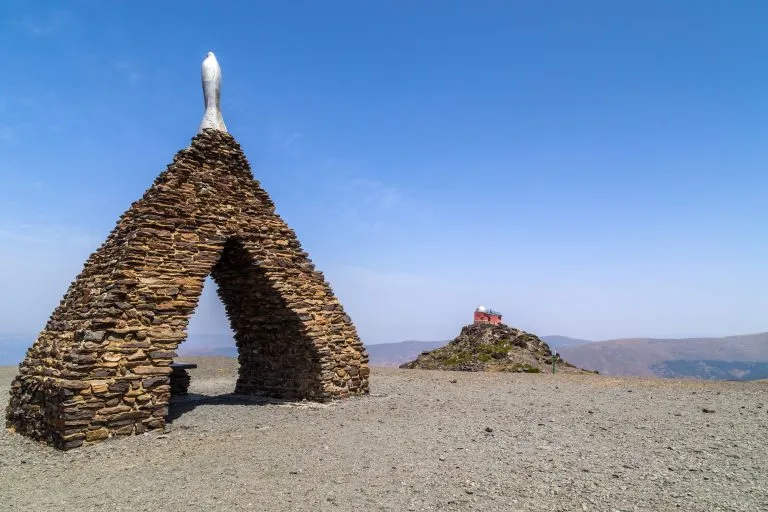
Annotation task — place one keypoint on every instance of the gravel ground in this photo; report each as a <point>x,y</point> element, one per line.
<point>423,440</point>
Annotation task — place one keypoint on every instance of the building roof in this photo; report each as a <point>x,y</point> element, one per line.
<point>490,312</point>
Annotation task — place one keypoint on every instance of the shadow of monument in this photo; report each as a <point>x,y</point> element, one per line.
<point>180,405</point>
<point>276,354</point>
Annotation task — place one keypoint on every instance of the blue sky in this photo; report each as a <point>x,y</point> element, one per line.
<point>592,169</point>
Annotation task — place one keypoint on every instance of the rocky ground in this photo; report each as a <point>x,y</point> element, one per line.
<point>423,440</point>
<point>483,347</point>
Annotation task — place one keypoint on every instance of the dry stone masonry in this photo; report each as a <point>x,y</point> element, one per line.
<point>101,366</point>
<point>180,378</point>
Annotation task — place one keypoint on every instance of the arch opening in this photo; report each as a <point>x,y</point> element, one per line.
<point>276,358</point>
<point>276,355</point>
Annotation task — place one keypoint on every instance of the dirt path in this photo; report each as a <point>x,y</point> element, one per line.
<point>420,442</point>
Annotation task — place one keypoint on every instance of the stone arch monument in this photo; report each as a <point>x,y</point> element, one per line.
<point>101,366</point>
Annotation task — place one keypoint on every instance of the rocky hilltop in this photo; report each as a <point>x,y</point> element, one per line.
<point>487,347</point>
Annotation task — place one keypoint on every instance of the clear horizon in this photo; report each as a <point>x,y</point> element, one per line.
<point>595,171</point>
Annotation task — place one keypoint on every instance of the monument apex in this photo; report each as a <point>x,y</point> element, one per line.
<point>211,78</point>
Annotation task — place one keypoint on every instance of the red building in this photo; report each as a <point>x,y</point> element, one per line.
<point>483,315</point>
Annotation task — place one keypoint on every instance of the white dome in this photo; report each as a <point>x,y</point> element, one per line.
<point>482,309</point>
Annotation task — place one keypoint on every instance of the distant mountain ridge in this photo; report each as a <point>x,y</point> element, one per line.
<point>704,358</point>
<point>742,357</point>
<point>668,357</point>
<point>564,341</point>
<point>712,370</point>
<point>13,348</point>
<point>395,354</point>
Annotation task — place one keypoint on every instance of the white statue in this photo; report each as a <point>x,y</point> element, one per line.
<point>212,91</point>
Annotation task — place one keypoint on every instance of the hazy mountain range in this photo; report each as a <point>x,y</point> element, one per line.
<point>742,357</point>
<point>13,348</point>
<point>730,358</point>
<point>688,357</point>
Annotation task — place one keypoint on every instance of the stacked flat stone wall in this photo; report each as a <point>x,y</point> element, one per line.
<point>101,365</point>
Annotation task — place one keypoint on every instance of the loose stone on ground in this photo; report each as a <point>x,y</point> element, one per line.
<point>419,441</point>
